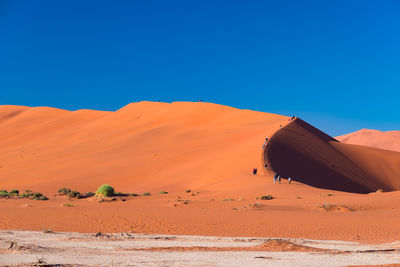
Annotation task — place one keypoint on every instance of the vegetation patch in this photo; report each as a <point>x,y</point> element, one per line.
<point>26,194</point>
<point>69,205</point>
<point>74,194</point>
<point>267,197</point>
<point>64,191</point>
<point>14,192</point>
<point>38,196</point>
<point>146,194</point>
<point>162,192</point>
<point>105,190</point>
<point>4,194</point>
<point>335,208</point>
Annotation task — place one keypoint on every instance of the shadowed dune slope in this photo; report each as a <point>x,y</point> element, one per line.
<point>308,155</point>
<point>384,140</point>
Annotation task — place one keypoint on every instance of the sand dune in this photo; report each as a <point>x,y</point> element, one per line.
<point>384,140</point>
<point>308,155</point>
<point>209,148</point>
<point>143,146</point>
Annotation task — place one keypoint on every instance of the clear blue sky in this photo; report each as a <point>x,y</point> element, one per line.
<point>334,63</point>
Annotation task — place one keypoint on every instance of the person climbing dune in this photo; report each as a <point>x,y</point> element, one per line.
<point>276,177</point>
<point>255,171</point>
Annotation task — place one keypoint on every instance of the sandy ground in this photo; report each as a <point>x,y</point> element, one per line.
<point>129,249</point>
<point>296,212</point>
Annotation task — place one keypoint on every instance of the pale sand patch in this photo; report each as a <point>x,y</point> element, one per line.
<point>129,249</point>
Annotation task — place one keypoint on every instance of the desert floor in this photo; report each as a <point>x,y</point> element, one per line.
<point>25,248</point>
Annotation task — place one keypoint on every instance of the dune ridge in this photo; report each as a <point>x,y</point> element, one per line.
<point>304,153</point>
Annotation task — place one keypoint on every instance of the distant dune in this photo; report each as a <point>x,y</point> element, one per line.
<point>384,140</point>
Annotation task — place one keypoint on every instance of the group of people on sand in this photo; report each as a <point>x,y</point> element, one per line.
<point>278,178</point>
<point>292,118</point>
<point>265,142</point>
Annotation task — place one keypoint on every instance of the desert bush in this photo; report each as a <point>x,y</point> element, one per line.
<point>228,199</point>
<point>133,194</point>
<point>162,192</point>
<point>38,196</point>
<point>15,191</point>
<point>89,194</point>
<point>146,194</point>
<point>74,194</point>
<point>105,190</point>
<point>64,191</point>
<point>70,205</point>
<point>327,207</point>
<point>26,195</point>
<point>4,194</point>
<point>267,197</point>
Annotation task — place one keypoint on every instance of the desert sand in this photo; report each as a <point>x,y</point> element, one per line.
<point>389,140</point>
<point>208,148</point>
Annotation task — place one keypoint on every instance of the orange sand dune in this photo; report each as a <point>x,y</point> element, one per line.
<point>143,146</point>
<point>384,140</point>
<point>209,148</point>
<point>308,155</point>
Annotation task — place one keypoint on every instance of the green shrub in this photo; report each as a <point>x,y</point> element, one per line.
<point>267,197</point>
<point>105,190</point>
<point>163,192</point>
<point>70,205</point>
<point>4,194</point>
<point>64,191</point>
<point>15,191</point>
<point>146,194</point>
<point>74,194</point>
<point>26,194</point>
